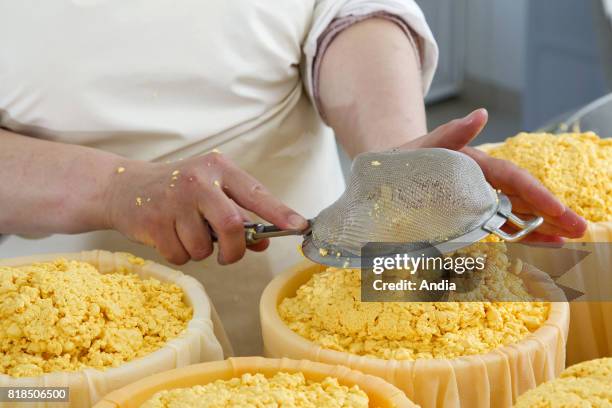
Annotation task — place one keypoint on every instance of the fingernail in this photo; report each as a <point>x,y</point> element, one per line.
<point>470,118</point>
<point>560,210</point>
<point>297,222</point>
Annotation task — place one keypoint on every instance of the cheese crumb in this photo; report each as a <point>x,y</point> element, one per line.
<point>375,163</point>
<point>67,316</point>
<point>176,172</point>
<point>216,183</point>
<point>582,385</point>
<point>139,201</point>
<point>327,311</point>
<point>576,167</point>
<point>255,390</point>
<point>323,251</point>
<point>133,259</point>
<point>120,170</point>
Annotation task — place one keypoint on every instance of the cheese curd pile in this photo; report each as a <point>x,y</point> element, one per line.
<point>582,385</point>
<point>327,311</point>
<point>255,390</point>
<point>576,167</point>
<point>66,316</point>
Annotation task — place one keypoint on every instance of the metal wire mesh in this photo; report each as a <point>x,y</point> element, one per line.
<point>415,196</point>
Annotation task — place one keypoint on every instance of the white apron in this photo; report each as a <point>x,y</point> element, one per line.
<point>163,80</point>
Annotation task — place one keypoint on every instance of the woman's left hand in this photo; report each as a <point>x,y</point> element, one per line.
<point>528,196</point>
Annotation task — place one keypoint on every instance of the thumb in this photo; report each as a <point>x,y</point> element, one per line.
<point>455,134</point>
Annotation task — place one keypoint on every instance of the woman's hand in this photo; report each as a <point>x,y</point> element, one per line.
<point>172,207</point>
<point>49,187</point>
<point>528,196</point>
<point>371,93</point>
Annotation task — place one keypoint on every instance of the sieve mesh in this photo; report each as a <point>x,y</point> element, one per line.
<point>415,196</point>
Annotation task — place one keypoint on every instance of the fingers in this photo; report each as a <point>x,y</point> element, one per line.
<point>217,191</point>
<point>186,205</point>
<point>194,234</point>
<point>226,221</point>
<point>525,211</point>
<point>541,235</point>
<point>569,224</point>
<point>539,238</point>
<point>513,180</point>
<point>455,134</point>
<point>252,195</point>
<point>169,246</point>
<point>260,246</point>
<point>547,227</point>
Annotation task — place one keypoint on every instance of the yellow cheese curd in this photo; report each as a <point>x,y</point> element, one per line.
<point>576,167</point>
<point>582,385</point>
<point>255,390</point>
<point>327,311</point>
<point>66,315</point>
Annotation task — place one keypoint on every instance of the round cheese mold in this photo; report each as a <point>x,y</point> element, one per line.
<point>327,310</point>
<point>577,167</point>
<point>489,378</point>
<point>64,315</point>
<point>258,381</point>
<point>95,321</point>
<point>282,389</point>
<point>582,385</point>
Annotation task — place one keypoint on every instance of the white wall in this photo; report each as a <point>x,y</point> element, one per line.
<point>446,18</point>
<point>496,42</point>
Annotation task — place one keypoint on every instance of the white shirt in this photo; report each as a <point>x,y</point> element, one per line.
<point>163,80</point>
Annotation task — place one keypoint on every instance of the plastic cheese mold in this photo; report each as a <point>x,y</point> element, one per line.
<point>492,378</point>
<point>577,167</point>
<point>64,315</point>
<point>296,383</point>
<point>327,311</point>
<point>582,385</point>
<point>95,321</point>
<point>282,389</point>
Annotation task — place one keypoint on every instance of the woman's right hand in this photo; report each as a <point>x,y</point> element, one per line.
<point>172,207</point>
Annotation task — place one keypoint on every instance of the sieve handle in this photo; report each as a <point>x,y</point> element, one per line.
<point>525,227</point>
<point>255,232</point>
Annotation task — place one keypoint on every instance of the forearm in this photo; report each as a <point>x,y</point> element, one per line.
<point>370,87</point>
<point>48,187</point>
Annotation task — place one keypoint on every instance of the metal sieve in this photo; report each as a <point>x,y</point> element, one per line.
<point>434,197</point>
